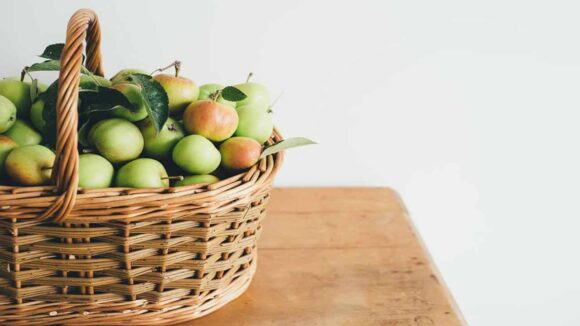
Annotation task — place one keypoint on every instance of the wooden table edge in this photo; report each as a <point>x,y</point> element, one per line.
<point>428,255</point>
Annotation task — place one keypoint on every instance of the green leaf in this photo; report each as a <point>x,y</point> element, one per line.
<point>52,51</point>
<point>52,65</point>
<point>286,144</point>
<point>230,93</point>
<point>48,65</point>
<point>101,99</point>
<point>155,98</point>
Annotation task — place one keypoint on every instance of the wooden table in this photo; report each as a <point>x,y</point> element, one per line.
<point>340,256</point>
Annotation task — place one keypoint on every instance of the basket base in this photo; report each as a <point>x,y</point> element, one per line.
<point>136,312</point>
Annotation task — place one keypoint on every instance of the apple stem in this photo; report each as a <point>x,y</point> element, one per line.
<point>25,73</point>
<point>88,150</point>
<point>216,95</point>
<point>249,77</point>
<point>177,67</point>
<point>176,64</point>
<point>176,177</point>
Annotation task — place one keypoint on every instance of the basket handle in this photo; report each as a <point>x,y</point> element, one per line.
<point>83,25</point>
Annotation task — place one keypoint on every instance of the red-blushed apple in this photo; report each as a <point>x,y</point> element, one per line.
<point>240,153</point>
<point>215,121</point>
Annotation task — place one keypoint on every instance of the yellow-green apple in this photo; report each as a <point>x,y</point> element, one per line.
<point>196,154</point>
<point>180,91</point>
<point>196,179</point>
<point>30,165</point>
<point>95,172</point>
<point>23,133</point>
<point>257,96</point>
<point>118,140</point>
<point>7,114</point>
<point>240,153</point>
<point>215,121</point>
<point>160,145</point>
<point>133,93</point>
<point>6,146</point>
<point>142,173</point>
<point>17,92</point>
<point>255,124</point>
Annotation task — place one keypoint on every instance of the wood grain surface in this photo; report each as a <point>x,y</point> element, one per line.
<point>340,256</point>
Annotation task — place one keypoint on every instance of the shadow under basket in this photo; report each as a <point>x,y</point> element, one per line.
<point>120,256</point>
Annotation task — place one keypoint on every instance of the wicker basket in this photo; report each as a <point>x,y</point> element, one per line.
<point>119,255</point>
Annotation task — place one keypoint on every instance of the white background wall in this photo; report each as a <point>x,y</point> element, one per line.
<point>469,110</point>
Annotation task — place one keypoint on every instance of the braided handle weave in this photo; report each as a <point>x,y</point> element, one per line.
<point>83,25</point>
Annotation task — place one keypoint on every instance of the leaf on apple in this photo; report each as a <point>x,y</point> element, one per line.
<point>230,93</point>
<point>52,51</point>
<point>286,144</point>
<point>156,100</point>
<point>101,99</point>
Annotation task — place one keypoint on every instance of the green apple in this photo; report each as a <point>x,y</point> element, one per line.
<point>180,91</point>
<point>6,146</point>
<point>142,173</point>
<point>23,133</point>
<point>30,165</point>
<point>160,145</point>
<point>88,82</point>
<point>7,114</point>
<point>118,140</point>
<point>95,172</point>
<point>215,121</point>
<point>208,89</point>
<point>240,153</point>
<point>17,92</point>
<point>36,115</point>
<point>133,93</point>
<point>196,154</point>
<point>257,96</point>
<point>256,124</point>
<point>122,75</point>
<point>195,179</point>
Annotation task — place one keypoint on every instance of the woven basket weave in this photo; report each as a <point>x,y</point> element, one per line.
<point>119,255</point>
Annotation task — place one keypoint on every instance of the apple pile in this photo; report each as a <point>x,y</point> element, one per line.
<point>136,130</point>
